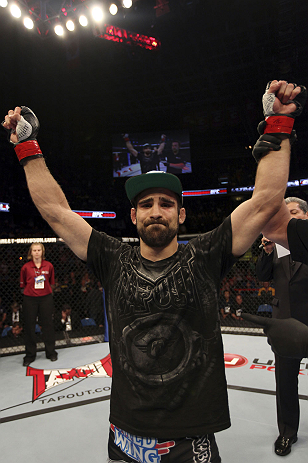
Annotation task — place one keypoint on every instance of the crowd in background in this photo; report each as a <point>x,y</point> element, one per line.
<point>79,297</point>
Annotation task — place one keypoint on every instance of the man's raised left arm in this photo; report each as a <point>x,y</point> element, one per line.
<point>281,103</point>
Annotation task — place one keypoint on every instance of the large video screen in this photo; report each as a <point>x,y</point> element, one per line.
<point>138,153</point>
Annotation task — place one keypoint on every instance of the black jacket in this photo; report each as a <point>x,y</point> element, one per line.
<point>290,282</point>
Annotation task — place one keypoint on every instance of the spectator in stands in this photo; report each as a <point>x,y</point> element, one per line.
<point>226,302</point>
<point>85,281</point>
<point>238,308</point>
<point>265,295</point>
<point>67,320</point>
<point>14,314</point>
<point>16,331</point>
<point>251,288</point>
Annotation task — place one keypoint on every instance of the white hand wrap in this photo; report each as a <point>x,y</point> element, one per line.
<point>23,130</point>
<point>268,101</point>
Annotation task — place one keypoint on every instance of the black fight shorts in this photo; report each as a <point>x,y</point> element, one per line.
<point>125,447</point>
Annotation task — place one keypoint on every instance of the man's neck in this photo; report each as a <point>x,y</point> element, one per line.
<point>156,254</point>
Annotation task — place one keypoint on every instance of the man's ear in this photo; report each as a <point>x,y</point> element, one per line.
<point>182,215</point>
<point>133,215</point>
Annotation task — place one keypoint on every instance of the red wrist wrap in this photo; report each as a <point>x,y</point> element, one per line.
<point>27,149</point>
<point>279,124</point>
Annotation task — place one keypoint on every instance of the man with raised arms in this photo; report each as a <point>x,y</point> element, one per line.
<point>169,393</point>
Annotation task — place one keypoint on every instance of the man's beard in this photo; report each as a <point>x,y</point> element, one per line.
<point>157,236</point>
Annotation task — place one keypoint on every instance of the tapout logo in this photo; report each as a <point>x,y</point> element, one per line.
<point>235,360</point>
<point>44,380</point>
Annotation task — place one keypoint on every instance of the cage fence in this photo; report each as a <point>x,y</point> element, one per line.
<point>78,290</point>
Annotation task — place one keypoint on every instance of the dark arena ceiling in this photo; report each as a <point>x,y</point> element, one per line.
<point>208,74</point>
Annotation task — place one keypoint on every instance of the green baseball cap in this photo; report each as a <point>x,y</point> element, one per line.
<point>153,179</point>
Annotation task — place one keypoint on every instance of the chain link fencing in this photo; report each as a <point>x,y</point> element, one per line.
<point>77,290</point>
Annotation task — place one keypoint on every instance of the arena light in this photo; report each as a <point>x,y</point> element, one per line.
<point>47,18</point>
<point>28,23</point>
<point>83,20</point>
<point>15,10</point>
<point>70,26</point>
<point>97,13</point>
<point>127,3</point>
<point>113,9</point>
<point>59,30</point>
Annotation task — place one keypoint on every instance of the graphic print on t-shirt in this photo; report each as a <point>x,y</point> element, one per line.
<point>160,348</point>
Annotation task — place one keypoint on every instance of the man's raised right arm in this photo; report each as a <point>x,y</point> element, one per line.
<point>129,145</point>
<point>52,204</point>
<point>46,193</point>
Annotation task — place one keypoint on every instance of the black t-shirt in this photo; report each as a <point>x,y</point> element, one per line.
<point>175,159</point>
<point>225,304</point>
<point>148,163</point>
<point>165,341</point>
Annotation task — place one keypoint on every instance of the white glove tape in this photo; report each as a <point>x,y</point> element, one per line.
<point>23,130</point>
<point>268,101</point>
